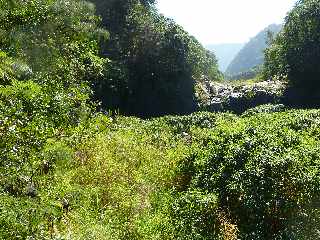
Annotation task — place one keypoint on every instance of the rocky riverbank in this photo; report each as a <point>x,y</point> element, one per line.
<point>218,97</point>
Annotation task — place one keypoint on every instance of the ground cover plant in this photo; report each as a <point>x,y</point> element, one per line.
<point>204,176</point>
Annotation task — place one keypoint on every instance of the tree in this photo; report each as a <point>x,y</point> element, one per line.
<point>295,53</point>
<point>156,61</point>
<point>48,55</point>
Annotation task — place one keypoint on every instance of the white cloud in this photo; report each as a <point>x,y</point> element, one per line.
<point>225,21</point>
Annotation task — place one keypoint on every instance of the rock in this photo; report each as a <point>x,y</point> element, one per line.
<point>216,105</point>
<point>267,108</point>
<point>225,97</point>
<point>236,95</point>
<point>45,167</point>
<point>184,134</point>
<point>65,204</point>
<point>31,190</point>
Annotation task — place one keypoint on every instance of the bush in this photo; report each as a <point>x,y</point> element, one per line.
<point>206,176</point>
<point>264,171</point>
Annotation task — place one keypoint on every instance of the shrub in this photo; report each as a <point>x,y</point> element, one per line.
<point>264,171</point>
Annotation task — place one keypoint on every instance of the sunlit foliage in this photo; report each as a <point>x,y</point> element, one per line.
<point>295,53</point>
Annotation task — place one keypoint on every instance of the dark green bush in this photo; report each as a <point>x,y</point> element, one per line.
<point>264,171</point>
<point>48,53</point>
<point>155,62</point>
<point>295,53</point>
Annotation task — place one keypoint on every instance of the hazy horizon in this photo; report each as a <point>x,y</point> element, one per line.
<point>225,21</point>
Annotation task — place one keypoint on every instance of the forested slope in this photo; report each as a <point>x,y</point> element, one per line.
<point>252,54</point>
<point>157,63</point>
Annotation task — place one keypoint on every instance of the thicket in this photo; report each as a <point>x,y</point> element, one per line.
<point>156,63</point>
<point>295,53</point>
<point>67,172</point>
<point>52,52</point>
<point>54,58</point>
<point>203,176</point>
<point>254,177</point>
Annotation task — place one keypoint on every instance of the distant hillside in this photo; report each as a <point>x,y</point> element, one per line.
<point>251,55</point>
<point>225,53</point>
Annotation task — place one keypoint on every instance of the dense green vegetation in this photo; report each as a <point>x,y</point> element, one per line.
<point>157,63</point>
<point>55,58</point>
<point>206,176</point>
<point>295,53</point>
<point>73,166</point>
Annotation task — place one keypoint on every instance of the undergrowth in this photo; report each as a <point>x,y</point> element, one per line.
<point>203,176</point>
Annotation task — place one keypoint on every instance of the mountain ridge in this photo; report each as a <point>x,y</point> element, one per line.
<point>252,54</point>
<point>225,52</point>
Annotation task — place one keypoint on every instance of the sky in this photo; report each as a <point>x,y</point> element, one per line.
<point>225,21</point>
